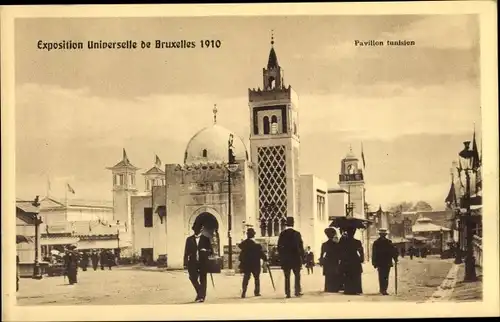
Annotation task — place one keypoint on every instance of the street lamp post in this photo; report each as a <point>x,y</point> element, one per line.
<point>458,247</point>
<point>37,272</point>
<point>470,270</point>
<point>368,224</point>
<point>441,242</point>
<point>232,166</point>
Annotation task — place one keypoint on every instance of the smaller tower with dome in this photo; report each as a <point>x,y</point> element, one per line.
<point>351,180</point>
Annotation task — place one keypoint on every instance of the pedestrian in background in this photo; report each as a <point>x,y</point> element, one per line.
<point>383,253</point>
<point>330,261</point>
<point>309,261</point>
<point>250,256</point>
<point>71,264</point>
<point>291,255</point>
<point>85,261</point>
<point>103,259</point>
<point>95,259</point>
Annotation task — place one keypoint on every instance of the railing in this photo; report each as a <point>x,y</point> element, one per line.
<point>477,248</point>
<point>351,177</point>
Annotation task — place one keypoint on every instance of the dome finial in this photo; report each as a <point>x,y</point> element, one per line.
<point>215,113</point>
<point>272,37</point>
<point>350,148</point>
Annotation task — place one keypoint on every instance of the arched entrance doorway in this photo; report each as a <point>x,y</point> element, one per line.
<point>210,229</point>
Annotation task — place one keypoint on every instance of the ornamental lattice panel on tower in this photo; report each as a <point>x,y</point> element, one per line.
<point>272,189</point>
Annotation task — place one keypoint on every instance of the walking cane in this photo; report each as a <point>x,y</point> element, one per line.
<point>271,276</point>
<point>396,277</point>
<point>212,278</point>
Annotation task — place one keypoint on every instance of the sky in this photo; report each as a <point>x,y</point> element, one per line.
<point>410,107</point>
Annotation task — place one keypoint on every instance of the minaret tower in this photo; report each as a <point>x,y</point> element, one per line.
<point>274,146</point>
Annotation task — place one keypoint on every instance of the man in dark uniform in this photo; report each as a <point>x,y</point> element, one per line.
<point>85,261</point>
<point>383,253</point>
<point>309,260</point>
<point>110,259</point>
<point>71,264</point>
<point>250,256</point>
<point>291,255</point>
<point>95,259</point>
<point>103,258</point>
<point>196,259</point>
<point>411,250</point>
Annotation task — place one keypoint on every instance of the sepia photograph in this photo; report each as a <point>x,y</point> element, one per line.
<point>248,159</point>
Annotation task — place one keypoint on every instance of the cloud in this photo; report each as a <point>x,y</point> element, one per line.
<point>440,31</point>
<point>388,111</point>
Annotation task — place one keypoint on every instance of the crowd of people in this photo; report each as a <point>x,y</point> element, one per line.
<point>341,259</point>
<point>73,259</point>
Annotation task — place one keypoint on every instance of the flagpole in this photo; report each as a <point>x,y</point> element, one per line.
<point>66,199</point>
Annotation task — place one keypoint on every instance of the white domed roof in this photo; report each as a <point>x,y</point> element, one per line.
<point>213,139</point>
<point>350,155</point>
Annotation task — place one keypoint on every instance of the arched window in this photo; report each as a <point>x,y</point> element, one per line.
<point>271,82</point>
<point>266,124</point>
<point>204,153</point>
<point>274,119</point>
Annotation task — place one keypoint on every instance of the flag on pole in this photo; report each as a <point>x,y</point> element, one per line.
<point>158,162</point>
<point>451,199</point>
<point>363,156</point>
<point>475,153</point>
<point>459,171</point>
<point>70,189</point>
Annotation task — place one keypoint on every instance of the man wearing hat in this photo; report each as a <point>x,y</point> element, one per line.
<point>383,253</point>
<point>71,264</point>
<point>250,256</point>
<point>291,255</point>
<point>196,260</point>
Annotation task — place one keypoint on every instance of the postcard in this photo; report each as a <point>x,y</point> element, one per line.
<point>211,162</point>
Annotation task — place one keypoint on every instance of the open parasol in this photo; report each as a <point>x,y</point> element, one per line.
<point>343,222</point>
<point>22,239</point>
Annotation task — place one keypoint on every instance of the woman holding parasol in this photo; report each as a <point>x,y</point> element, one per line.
<point>352,253</point>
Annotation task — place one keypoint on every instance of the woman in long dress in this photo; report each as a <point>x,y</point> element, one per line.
<point>351,260</point>
<point>330,260</point>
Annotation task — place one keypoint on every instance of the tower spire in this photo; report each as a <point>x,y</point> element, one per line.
<point>215,113</point>
<point>272,37</point>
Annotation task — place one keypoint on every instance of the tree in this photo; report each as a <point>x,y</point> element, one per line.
<point>422,206</point>
<point>400,207</point>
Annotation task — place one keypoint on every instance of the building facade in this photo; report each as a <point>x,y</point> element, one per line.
<point>266,185</point>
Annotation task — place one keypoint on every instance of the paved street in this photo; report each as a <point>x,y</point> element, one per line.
<point>418,279</point>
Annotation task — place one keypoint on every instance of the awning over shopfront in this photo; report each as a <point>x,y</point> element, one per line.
<point>98,244</point>
<point>59,241</point>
